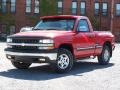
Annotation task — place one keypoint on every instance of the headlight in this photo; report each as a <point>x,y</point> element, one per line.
<point>46,41</point>
<point>46,44</point>
<point>9,40</point>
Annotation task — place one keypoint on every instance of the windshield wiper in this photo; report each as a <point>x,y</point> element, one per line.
<point>54,29</point>
<point>48,29</point>
<point>37,29</point>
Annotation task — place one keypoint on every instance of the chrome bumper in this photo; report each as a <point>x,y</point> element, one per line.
<point>51,56</point>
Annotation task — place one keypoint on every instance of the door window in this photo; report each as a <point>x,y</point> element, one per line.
<point>83,26</point>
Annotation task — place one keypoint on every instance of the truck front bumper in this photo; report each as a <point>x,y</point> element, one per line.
<point>31,56</point>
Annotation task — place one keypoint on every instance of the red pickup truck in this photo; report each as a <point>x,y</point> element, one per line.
<point>61,41</point>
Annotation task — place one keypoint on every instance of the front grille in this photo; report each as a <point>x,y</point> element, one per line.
<point>25,47</point>
<point>25,41</point>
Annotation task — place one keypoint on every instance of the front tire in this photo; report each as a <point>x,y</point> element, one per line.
<point>21,65</point>
<point>64,62</point>
<point>105,56</point>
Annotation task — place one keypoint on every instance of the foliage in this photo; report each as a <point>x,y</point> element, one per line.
<point>48,7</point>
<point>8,20</point>
<point>33,19</point>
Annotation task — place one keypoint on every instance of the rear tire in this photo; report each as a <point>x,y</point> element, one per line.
<point>105,56</point>
<point>64,62</point>
<point>21,65</point>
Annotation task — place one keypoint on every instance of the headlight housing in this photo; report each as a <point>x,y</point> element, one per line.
<point>9,40</point>
<point>46,41</point>
<point>46,44</point>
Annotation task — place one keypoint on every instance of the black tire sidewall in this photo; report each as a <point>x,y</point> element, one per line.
<point>20,65</point>
<point>101,58</point>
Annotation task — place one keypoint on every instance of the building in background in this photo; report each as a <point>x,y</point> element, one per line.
<point>15,14</point>
<point>104,14</point>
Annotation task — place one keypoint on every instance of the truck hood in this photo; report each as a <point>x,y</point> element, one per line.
<point>48,34</point>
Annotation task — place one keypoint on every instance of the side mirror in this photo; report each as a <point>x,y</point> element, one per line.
<point>26,29</point>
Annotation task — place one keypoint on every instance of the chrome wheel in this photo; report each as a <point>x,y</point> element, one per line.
<point>63,61</point>
<point>106,55</point>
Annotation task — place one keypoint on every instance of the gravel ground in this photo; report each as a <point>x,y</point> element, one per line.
<point>86,75</point>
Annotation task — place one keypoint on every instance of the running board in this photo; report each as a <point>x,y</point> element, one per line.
<point>86,58</point>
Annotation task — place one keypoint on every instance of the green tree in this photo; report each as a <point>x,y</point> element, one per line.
<point>8,20</point>
<point>48,7</point>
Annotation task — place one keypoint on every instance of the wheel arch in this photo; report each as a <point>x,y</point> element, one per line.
<point>68,47</point>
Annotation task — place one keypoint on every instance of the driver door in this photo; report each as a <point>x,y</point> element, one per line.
<point>84,40</point>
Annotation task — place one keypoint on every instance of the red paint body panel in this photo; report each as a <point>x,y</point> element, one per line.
<point>84,43</point>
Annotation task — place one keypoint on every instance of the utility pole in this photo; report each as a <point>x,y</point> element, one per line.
<point>112,16</point>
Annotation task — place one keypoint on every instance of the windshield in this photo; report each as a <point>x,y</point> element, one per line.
<point>55,24</point>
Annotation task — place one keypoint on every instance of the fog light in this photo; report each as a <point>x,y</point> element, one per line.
<point>9,57</point>
<point>41,59</point>
<point>45,48</point>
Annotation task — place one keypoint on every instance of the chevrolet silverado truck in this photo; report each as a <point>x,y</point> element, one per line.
<point>60,40</point>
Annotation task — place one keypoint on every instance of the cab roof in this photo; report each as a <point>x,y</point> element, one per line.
<point>63,16</point>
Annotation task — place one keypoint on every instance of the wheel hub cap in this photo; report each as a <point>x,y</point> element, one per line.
<point>106,55</point>
<point>63,61</point>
